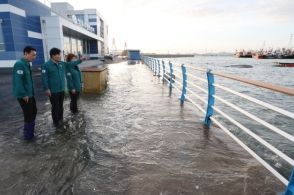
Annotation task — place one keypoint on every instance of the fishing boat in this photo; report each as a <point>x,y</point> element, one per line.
<point>259,55</point>
<point>285,64</point>
<point>243,54</point>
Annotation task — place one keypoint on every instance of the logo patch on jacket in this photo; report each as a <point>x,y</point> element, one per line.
<point>19,72</point>
<point>43,71</point>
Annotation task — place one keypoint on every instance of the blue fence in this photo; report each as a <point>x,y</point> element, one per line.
<point>176,76</point>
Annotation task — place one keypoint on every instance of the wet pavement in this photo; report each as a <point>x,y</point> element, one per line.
<point>133,139</point>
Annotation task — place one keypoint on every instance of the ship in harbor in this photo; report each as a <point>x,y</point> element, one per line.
<point>267,54</point>
<point>243,54</point>
<point>274,54</point>
<point>270,53</point>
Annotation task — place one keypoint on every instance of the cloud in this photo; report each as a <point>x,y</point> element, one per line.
<point>193,25</point>
<point>274,10</point>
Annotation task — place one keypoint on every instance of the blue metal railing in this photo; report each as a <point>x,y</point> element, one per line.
<point>181,72</point>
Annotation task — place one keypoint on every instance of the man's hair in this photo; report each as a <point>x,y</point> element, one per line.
<point>28,49</point>
<point>54,51</point>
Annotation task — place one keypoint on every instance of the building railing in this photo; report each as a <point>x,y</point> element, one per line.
<point>176,76</point>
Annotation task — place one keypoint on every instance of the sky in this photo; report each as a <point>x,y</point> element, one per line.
<point>195,26</point>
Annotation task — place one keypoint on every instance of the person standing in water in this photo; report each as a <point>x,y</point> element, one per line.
<point>53,80</point>
<point>74,80</point>
<point>23,90</point>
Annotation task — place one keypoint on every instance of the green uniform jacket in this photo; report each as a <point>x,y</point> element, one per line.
<point>22,79</point>
<point>74,76</point>
<point>53,75</point>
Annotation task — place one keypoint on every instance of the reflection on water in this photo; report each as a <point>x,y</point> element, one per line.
<point>133,139</point>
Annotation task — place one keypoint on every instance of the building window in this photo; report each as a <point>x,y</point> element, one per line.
<point>74,45</point>
<point>92,15</point>
<point>85,47</point>
<point>2,44</point>
<point>92,20</point>
<point>67,48</point>
<point>80,17</point>
<point>80,47</point>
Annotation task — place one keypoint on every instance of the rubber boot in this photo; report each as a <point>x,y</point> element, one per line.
<point>29,129</point>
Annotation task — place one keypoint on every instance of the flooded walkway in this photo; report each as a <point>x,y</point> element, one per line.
<point>134,139</point>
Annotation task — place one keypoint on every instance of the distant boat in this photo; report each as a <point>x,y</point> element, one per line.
<point>258,55</point>
<point>243,54</point>
<point>285,64</point>
<point>274,54</point>
<point>285,56</point>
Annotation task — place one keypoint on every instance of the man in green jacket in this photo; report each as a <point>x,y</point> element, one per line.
<point>23,90</point>
<point>53,80</point>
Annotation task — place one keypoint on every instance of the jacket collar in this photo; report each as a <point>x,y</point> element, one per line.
<point>25,61</point>
<point>53,63</point>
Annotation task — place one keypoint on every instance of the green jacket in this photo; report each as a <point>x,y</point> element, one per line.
<point>22,79</point>
<point>53,76</point>
<point>74,76</point>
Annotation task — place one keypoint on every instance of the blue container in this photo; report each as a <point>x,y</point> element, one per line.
<point>134,55</point>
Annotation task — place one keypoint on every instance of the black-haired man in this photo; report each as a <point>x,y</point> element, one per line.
<point>53,79</point>
<point>23,90</point>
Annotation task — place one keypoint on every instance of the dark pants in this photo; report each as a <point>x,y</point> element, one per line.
<point>74,101</point>
<point>29,109</point>
<point>56,100</point>
<point>29,112</point>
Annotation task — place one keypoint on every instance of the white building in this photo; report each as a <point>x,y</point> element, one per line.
<point>43,27</point>
<point>90,19</point>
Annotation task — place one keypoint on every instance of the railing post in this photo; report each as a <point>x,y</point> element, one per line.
<point>184,89</point>
<point>156,67</point>
<point>163,71</point>
<point>210,102</point>
<point>171,72</point>
<point>158,73</point>
<point>150,63</point>
<point>290,187</point>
